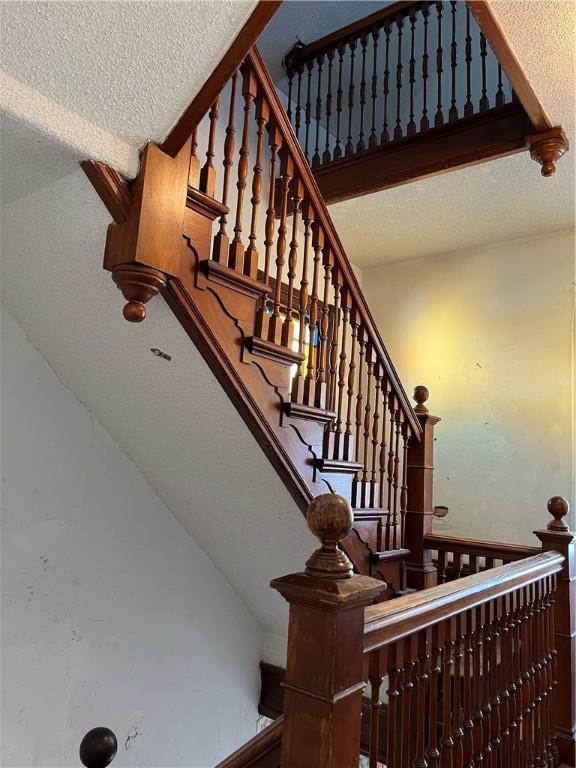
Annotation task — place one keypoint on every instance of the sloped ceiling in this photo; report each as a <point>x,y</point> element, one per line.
<point>105,77</point>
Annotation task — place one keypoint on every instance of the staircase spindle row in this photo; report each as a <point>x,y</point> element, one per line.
<point>474,689</point>
<point>395,43</point>
<point>310,309</point>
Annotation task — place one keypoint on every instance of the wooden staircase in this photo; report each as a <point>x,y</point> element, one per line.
<point>227,222</point>
<point>264,289</point>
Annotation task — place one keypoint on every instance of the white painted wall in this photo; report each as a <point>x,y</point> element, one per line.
<point>111,614</point>
<point>490,331</point>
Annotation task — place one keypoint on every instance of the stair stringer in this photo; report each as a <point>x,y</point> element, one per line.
<point>219,318</point>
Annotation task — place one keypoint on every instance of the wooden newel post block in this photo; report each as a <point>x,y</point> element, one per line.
<point>557,536</point>
<point>420,571</point>
<point>324,673</point>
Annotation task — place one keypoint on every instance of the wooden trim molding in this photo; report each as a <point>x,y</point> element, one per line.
<point>490,549</point>
<point>494,34</point>
<point>114,191</point>
<point>202,102</point>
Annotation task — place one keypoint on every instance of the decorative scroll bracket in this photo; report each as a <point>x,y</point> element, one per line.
<point>547,148</point>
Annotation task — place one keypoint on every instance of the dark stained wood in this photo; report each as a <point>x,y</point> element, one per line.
<point>420,571</point>
<point>557,537</point>
<point>201,103</point>
<point>494,34</point>
<point>114,191</point>
<point>500,132</point>
<point>98,748</point>
<point>324,675</point>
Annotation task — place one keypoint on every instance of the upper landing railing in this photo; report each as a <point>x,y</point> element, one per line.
<point>404,70</point>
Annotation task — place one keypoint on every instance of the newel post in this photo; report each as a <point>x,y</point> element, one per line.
<point>420,571</point>
<point>324,674</point>
<point>557,536</point>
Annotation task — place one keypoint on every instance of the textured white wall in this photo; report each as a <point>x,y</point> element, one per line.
<point>111,614</point>
<point>490,332</point>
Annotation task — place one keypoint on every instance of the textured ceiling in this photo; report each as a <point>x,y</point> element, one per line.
<point>100,74</point>
<point>172,418</point>
<point>501,200</point>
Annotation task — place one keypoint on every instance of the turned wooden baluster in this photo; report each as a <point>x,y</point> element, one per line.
<point>484,105</point>
<point>421,686</point>
<point>194,167</point>
<point>406,434</point>
<point>308,112</point>
<point>375,678</point>
<point>297,189</point>
<point>341,375</point>
<point>486,705</point>
<point>411,127</point>
<point>518,682</point>
<point>98,748</point>
<point>349,148</point>
<point>359,416</point>
<point>316,155</point>
<point>208,172</point>
<point>324,350</point>
<point>396,471</point>
<point>375,434</point>
<point>275,142</point>
<point>398,128</point>
<point>468,724</point>
<point>447,751</point>
<point>311,385</point>
<point>390,465</point>
<point>425,122</point>
<point>393,742</point>
<point>251,255</point>
<point>249,91</point>
<point>468,106</point>
<point>339,96</point>
<point>383,452</point>
<point>504,667</point>
<point>385,137</point>
<point>298,382</point>
<point>453,112</point>
<point>458,725</point>
<point>406,687</point>
<point>326,157</point>
<point>334,338</point>
<point>477,714</point>
<point>499,99</point>
<point>373,140</point>
<point>221,239</point>
<point>432,752</point>
<point>367,424</point>
<point>361,145</point>
<point>276,320</point>
<point>298,111</point>
<point>495,702</point>
<point>348,436</point>
<point>439,118</point>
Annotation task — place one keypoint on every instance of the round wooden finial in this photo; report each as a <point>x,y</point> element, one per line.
<point>547,148</point>
<point>421,395</point>
<point>330,520</point>
<point>558,508</point>
<point>98,748</point>
<point>138,285</point>
<point>134,312</point>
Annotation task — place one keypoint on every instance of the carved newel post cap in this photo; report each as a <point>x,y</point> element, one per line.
<point>138,284</point>
<point>558,508</point>
<point>421,395</point>
<point>98,748</point>
<point>330,520</point>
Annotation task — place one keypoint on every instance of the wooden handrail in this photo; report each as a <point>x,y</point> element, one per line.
<point>303,168</point>
<point>260,751</point>
<point>491,549</point>
<point>301,55</point>
<point>200,104</point>
<point>407,615</point>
